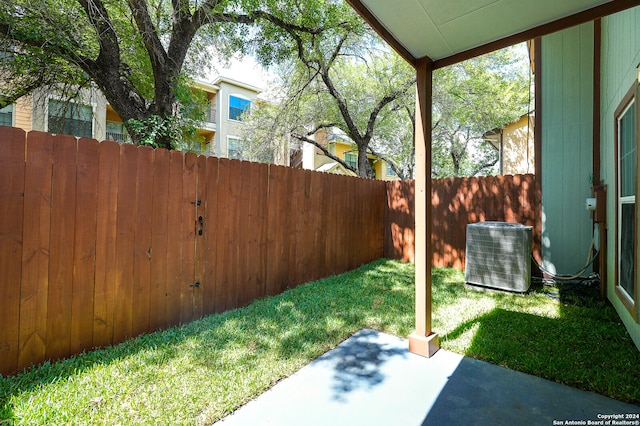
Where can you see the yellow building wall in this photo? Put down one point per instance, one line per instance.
(518, 153)
(340, 149)
(380, 168)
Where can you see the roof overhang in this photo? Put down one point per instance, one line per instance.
(448, 32)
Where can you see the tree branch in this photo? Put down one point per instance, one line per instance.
(483, 166)
(107, 37)
(389, 161)
(383, 102)
(150, 39)
(325, 151)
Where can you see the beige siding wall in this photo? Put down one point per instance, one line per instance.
(227, 128)
(22, 112)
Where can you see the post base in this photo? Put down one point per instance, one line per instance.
(423, 345)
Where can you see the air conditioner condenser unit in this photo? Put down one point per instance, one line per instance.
(498, 255)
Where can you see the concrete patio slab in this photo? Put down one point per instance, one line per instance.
(372, 379)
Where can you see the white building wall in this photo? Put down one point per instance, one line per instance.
(225, 126)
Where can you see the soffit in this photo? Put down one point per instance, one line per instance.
(443, 28)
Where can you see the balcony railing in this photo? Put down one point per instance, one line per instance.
(210, 114)
(118, 137)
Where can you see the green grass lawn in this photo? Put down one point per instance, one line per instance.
(198, 373)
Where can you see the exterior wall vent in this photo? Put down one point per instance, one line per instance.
(498, 255)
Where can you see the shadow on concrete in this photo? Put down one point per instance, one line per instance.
(358, 363)
(481, 393)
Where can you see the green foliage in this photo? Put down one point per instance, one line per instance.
(181, 128)
(471, 98)
(138, 51)
(202, 371)
(343, 77)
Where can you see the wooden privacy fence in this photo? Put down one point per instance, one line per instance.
(100, 242)
(457, 202)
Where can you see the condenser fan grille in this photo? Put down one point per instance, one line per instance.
(498, 255)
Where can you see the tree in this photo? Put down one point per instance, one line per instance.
(141, 53)
(342, 77)
(349, 81)
(471, 98)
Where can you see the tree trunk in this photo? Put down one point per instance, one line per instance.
(364, 166)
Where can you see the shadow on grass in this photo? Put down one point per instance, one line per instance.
(285, 332)
(583, 348)
(300, 325)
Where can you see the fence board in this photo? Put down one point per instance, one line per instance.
(125, 243)
(125, 220)
(110, 239)
(286, 210)
(276, 249)
(142, 249)
(159, 235)
(458, 214)
(212, 226)
(174, 239)
(63, 200)
(235, 182)
(458, 202)
(296, 204)
(244, 226)
(104, 297)
(357, 249)
(262, 209)
(85, 246)
(12, 167)
(346, 223)
(189, 187)
(323, 189)
(313, 228)
(223, 287)
(253, 236)
(35, 253)
(200, 270)
(299, 248)
(331, 240)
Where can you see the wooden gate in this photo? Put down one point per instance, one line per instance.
(100, 242)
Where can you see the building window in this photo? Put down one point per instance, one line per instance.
(6, 116)
(390, 171)
(351, 159)
(237, 106)
(626, 171)
(235, 148)
(69, 118)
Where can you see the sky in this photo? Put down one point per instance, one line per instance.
(245, 70)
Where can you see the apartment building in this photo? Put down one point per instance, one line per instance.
(341, 146)
(90, 115)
